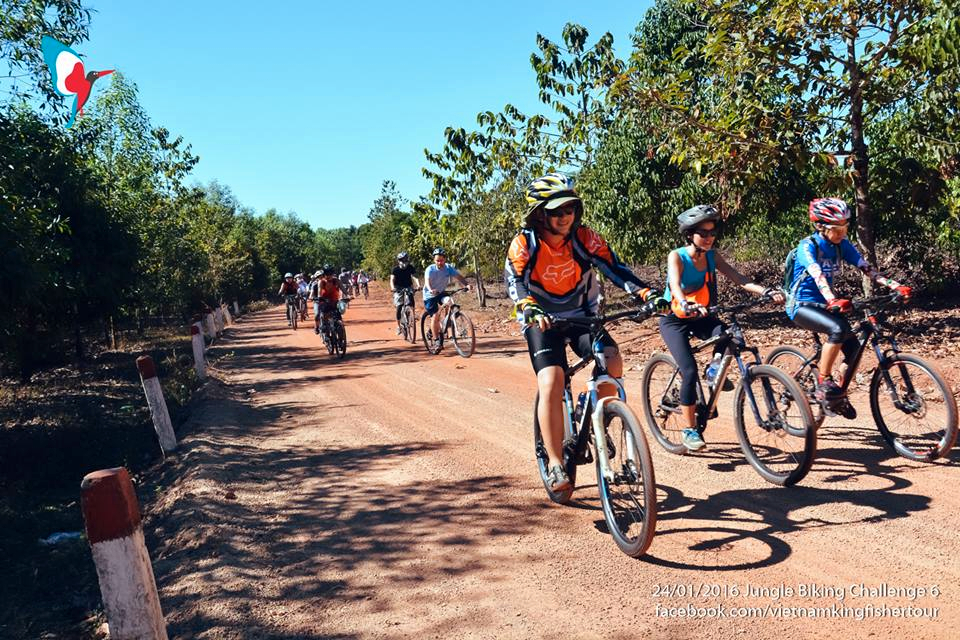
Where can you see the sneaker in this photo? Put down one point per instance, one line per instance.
(845, 409)
(692, 440)
(559, 480)
(828, 390)
(399, 330)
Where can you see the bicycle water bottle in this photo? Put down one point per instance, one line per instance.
(578, 411)
(712, 370)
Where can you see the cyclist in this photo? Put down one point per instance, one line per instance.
(692, 288)
(325, 293)
(549, 269)
(344, 281)
(363, 280)
(303, 290)
(288, 288)
(435, 280)
(402, 278)
(812, 304)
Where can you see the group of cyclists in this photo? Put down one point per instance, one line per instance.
(550, 274)
(325, 289)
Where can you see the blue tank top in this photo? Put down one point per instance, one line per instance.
(692, 278)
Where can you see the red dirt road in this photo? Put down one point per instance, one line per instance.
(395, 495)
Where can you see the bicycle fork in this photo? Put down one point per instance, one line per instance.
(600, 440)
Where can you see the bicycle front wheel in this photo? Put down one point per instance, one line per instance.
(791, 360)
(464, 336)
(776, 431)
(661, 402)
(569, 461)
(629, 500)
(409, 324)
(340, 340)
(916, 413)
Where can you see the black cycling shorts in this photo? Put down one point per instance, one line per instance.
(548, 349)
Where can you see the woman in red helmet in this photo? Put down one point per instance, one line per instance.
(811, 302)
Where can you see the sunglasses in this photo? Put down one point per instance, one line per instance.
(564, 211)
(836, 226)
(706, 233)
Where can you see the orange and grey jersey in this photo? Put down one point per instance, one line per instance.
(562, 280)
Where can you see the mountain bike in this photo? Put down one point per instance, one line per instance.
(333, 333)
(302, 306)
(292, 311)
(365, 288)
(454, 324)
(912, 405)
(774, 424)
(607, 432)
(408, 321)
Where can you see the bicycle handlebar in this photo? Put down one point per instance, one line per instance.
(737, 308)
(638, 314)
(878, 300)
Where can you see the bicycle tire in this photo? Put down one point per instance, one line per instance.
(293, 317)
(925, 444)
(409, 324)
(661, 379)
(630, 503)
(327, 336)
(340, 340)
(782, 456)
(791, 360)
(464, 336)
(569, 463)
(433, 347)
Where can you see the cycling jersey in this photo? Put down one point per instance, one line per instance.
(403, 277)
(560, 279)
(828, 256)
(327, 289)
(436, 279)
(304, 288)
(288, 288)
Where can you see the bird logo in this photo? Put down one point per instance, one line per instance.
(68, 75)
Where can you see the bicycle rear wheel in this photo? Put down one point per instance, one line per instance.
(630, 501)
(791, 360)
(661, 402)
(433, 346)
(569, 461)
(409, 324)
(464, 337)
(782, 445)
(917, 415)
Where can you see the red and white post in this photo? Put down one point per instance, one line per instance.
(127, 585)
(158, 406)
(199, 363)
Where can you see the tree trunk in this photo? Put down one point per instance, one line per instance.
(861, 163)
(113, 334)
(481, 292)
(77, 336)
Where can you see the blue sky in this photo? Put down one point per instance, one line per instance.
(307, 107)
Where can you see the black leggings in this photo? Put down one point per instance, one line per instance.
(676, 333)
(835, 326)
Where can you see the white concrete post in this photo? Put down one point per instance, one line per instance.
(226, 314)
(211, 327)
(158, 406)
(236, 308)
(198, 361)
(129, 590)
(218, 319)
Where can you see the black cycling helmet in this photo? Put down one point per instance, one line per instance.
(695, 216)
(328, 270)
(440, 252)
(403, 256)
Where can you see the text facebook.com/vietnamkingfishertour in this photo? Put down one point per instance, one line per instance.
(800, 590)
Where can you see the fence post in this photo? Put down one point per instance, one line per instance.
(158, 406)
(211, 327)
(196, 337)
(226, 314)
(236, 308)
(129, 590)
(218, 320)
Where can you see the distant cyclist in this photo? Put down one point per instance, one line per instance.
(435, 281)
(812, 303)
(325, 293)
(288, 288)
(402, 278)
(550, 270)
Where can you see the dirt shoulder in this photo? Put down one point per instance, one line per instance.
(394, 495)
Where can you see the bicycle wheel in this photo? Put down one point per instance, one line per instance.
(630, 501)
(340, 340)
(661, 402)
(433, 346)
(464, 337)
(791, 360)
(917, 415)
(327, 335)
(569, 462)
(782, 445)
(409, 324)
(293, 317)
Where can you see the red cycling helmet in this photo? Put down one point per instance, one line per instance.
(829, 211)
